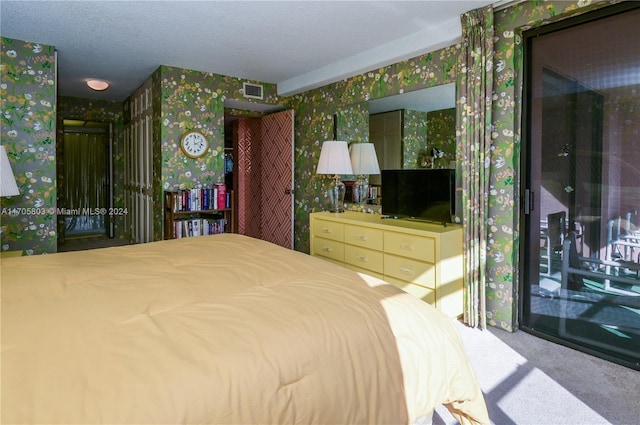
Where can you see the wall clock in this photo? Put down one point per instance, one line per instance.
(194, 144)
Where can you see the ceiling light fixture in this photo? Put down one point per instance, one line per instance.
(97, 85)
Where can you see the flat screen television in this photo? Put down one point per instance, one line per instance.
(421, 194)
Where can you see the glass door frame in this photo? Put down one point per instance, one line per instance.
(530, 200)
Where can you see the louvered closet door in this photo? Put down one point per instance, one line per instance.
(139, 166)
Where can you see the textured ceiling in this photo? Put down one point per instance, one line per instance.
(298, 45)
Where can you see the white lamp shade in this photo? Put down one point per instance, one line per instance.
(364, 159)
(8, 186)
(334, 158)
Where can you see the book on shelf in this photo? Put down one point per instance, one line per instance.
(204, 199)
(221, 196)
(185, 228)
(206, 205)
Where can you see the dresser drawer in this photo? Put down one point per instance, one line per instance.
(328, 248)
(329, 260)
(363, 236)
(409, 270)
(365, 271)
(422, 259)
(417, 247)
(328, 230)
(364, 258)
(427, 295)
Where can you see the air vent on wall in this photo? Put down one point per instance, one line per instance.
(253, 91)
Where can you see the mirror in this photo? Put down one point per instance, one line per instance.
(405, 129)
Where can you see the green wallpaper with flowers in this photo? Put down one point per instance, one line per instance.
(424, 131)
(352, 124)
(441, 134)
(414, 138)
(28, 133)
(314, 111)
(192, 100)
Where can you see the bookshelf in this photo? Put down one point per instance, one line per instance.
(197, 212)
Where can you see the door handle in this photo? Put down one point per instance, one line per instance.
(288, 191)
(528, 201)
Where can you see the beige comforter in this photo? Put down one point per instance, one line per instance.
(220, 329)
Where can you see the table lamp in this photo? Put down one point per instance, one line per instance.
(364, 162)
(334, 160)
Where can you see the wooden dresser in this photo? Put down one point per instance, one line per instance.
(423, 259)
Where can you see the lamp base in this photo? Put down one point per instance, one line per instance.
(361, 190)
(336, 195)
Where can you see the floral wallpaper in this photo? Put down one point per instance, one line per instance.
(441, 134)
(414, 139)
(352, 123)
(352, 126)
(314, 111)
(28, 133)
(425, 131)
(192, 100)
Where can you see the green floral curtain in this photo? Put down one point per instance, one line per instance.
(475, 85)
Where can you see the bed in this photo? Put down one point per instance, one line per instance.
(221, 329)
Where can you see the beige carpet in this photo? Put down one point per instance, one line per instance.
(528, 380)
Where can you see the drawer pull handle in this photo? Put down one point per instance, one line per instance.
(406, 270)
(326, 249)
(361, 258)
(361, 237)
(326, 230)
(406, 246)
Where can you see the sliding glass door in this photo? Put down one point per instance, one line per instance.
(581, 166)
